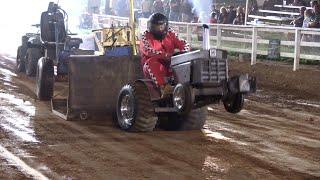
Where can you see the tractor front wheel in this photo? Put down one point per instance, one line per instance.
(234, 103)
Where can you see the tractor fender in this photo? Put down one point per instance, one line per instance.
(152, 88)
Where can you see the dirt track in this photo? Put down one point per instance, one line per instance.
(276, 136)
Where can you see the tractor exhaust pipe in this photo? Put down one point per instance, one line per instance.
(206, 37)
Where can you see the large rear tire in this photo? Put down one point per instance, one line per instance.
(20, 66)
(195, 120)
(135, 110)
(234, 103)
(45, 79)
(32, 57)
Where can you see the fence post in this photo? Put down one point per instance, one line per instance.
(218, 36)
(297, 43)
(254, 46)
(188, 34)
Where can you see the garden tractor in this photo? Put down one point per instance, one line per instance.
(57, 45)
(112, 82)
(200, 79)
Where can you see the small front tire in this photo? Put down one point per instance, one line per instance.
(234, 103)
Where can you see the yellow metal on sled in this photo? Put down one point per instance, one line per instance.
(113, 37)
(117, 36)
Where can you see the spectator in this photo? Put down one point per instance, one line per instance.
(254, 8)
(146, 8)
(223, 17)
(231, 14)
(315, 19)
(268, 4)
(174, 10)
(213, 18)
(214, 10)
(313, 3)
(298, 22)
(315, 23)
(158, 7)
(195, 16)
(186, 9)
(307, 18)
(239, 20)
(166, 5)
(112, 12)
(297, 3)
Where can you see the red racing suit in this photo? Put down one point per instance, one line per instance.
(156, 55)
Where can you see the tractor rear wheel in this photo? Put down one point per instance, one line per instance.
(20, 66)
(32, 57)
(135, 110)
(195, 120)
(45, 79)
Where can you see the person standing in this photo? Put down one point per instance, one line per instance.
(158, 7)
(166, 5)
(298, 22)
(239, 20)
(174, 10)
(214, 11)
(186, 9)
(213, 18)
(231, 14)
(315, 20)
(223, 16)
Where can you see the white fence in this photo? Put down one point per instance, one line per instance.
(296, 43)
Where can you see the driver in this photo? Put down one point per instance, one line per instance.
(157, 45)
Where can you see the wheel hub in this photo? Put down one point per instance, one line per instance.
(179, 98)
(126, 109)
